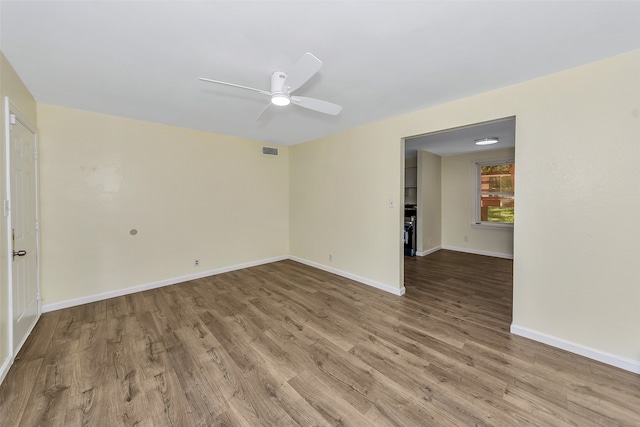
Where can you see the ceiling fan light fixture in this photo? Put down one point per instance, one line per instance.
(486, 141)
(282, 84)
(280, 100)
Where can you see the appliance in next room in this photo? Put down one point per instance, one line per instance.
(410, 213)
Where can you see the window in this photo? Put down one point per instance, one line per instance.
(495, 193)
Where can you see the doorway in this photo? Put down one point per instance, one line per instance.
(21, 210)
(447, 188)
(458, 218)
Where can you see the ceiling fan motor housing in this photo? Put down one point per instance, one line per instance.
(277, 82)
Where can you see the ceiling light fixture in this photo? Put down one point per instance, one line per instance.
(486, 141)
(280, 100)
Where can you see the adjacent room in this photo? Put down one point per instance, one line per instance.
(459, 189)
(319, 213)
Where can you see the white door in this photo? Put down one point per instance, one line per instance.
(25, 293)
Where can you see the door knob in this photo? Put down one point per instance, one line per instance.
(19, 253)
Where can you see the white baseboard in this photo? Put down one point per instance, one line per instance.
(429, 251)
(478, 252)
(364, 280)
(172, 281)
(139, 288)
(601, 356)
(4, 369)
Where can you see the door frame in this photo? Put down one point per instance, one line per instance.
(12, 112)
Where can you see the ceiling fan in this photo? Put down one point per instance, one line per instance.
(282, 84)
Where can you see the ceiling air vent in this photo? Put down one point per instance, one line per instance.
(270, 151)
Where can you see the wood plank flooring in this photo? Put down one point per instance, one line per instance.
(285, 344)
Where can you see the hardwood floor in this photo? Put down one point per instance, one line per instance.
(285, 344)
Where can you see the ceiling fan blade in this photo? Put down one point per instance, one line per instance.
(304, 69)
(317, 105)
(264, 92)
(262, 111)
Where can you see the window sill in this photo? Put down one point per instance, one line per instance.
(493, 225)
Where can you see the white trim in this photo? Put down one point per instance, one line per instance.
(478, 252)
(364, 280)
(428, 251)
(4, 369)
(591, 353)
(144, 287)
(493, 225)
(37, 197)
(7, 166)
(175, 280)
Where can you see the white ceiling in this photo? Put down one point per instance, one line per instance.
(142, 59)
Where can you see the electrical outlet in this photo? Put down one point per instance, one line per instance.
(466, 238)
(330, 257)
(196, 263)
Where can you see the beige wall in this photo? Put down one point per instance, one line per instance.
(458, 178)
(189, 195)
(576, 240)
(429, 201)
(21, 98)
(341, 187)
